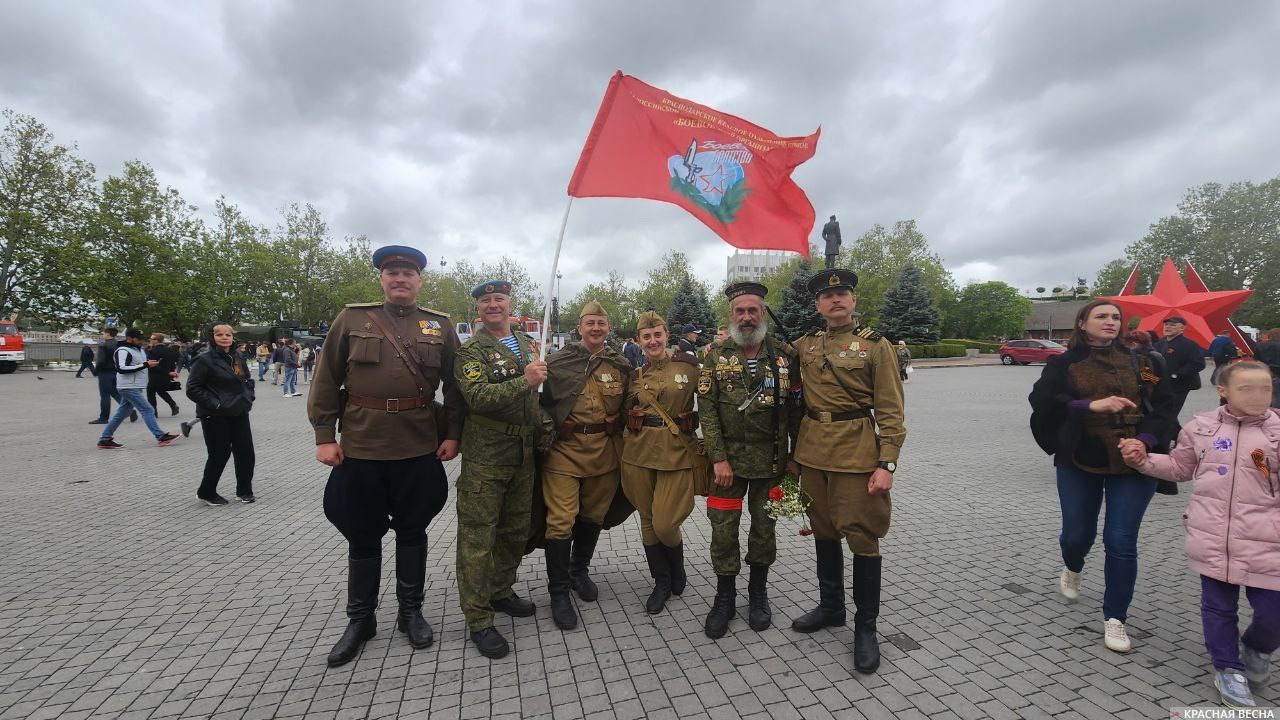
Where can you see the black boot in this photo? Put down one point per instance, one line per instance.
(661, 572)
(723, 607)
(490, 643)
(760, 617)
(675, 559)
(585, 537)
(562, 611)
(514, 605)
(411, 574)
(866, 600)
(830, 610)
(362, 600)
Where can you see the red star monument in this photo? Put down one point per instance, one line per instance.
(1206, 312)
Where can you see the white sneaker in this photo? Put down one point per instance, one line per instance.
(1116, 638)
(1069, 585)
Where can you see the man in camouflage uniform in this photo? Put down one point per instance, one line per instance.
(847, 449)
(745, 388)
(584, 392)
(498, 375)
(387, 470)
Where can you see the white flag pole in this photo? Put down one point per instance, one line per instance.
(551, 285)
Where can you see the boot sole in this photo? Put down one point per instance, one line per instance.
(809, 630)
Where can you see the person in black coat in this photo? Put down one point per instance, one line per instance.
(222, 389)
(1184, 358)
(162, 375)
(86, 361)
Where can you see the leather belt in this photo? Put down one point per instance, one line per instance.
(391, 405)
(594, 429)
(828, 417)
(654, 421)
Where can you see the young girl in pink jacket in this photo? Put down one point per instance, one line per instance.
(1232, 522)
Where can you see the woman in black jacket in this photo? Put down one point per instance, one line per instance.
(1088, 401)
(222, 389)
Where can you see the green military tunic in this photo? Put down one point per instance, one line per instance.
(845, 370)
(749, 418)
(495, 486)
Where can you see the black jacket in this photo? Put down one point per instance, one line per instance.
(158, 376)
(1185, 361)
(106, 361)
(215, 388)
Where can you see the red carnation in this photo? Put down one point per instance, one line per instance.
(805, 532)
(775, 494)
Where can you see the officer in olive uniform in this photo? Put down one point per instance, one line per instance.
(498, 373)
(375, 385)
(657, 458)
(745, 391)
(585, 388)
(847, 449)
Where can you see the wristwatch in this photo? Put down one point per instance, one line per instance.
(890, 466)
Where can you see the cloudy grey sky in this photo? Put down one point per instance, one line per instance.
(1030, 140)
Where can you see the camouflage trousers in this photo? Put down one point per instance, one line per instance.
(842, 509)
(493, 526)
(724, 510)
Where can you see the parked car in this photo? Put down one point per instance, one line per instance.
(1024, 352)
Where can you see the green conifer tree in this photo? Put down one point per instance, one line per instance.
(909, 312)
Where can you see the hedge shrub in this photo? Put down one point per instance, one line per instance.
(941, 350)
(985, 347)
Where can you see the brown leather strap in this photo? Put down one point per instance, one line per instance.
(391, 405)
(395, 345)
(826, 417)
(592, 429)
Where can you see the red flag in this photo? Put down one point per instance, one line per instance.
(732, 175)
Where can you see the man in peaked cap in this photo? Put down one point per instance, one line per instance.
(498, 373)
(847, 448)
(375, 386)
(689, 338)
(586, 386)
(747, 388)
(1183, 357)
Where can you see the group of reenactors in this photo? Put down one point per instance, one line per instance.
(555, 452)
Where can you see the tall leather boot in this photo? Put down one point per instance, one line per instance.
(585, 537)
(661, 572)
(830, 610)
(723, 607)
(760, 617)
(557, 554)
(866, 600)
(362, 599)
(411, 575)
(675, 559)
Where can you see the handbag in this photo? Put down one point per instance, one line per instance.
(703, 471)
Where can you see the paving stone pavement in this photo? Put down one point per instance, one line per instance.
(123, 597)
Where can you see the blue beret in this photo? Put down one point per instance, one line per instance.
(831, 279)
(399, 253)
(491, 286)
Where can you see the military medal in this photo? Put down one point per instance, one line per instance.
(844, 354)
(862, 354)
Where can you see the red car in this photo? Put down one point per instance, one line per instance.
(1024, 352)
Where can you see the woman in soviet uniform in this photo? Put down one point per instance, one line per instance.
(657, 459)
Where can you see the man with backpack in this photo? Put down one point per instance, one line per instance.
(1223, 350)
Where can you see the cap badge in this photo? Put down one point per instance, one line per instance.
(833, 280)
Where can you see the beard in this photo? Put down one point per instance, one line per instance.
(749, 338)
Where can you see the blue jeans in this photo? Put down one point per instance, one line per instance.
(290, 381)
(106, 393)
(133, 399)
(262, 371)
(1081, 494)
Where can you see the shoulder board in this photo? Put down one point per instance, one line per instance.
(868, 333)
(433, 312)
(684, 357)
(363, 305)
(635, 373)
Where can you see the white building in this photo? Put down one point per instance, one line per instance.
(754, 264)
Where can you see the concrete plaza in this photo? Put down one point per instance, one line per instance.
(123, 596)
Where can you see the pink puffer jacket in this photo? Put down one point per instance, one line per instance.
(1233, 518)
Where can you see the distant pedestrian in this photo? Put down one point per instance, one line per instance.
(1231, 452)
(289, 359)
(307, 356)
(105, 368)
(1223, 350)
(277, 362)
(904, 360)
(86, 361)
(131, 365)
(162, 376)
(632, 352)
(222, 388)
(1185, 360)
(263, 355)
